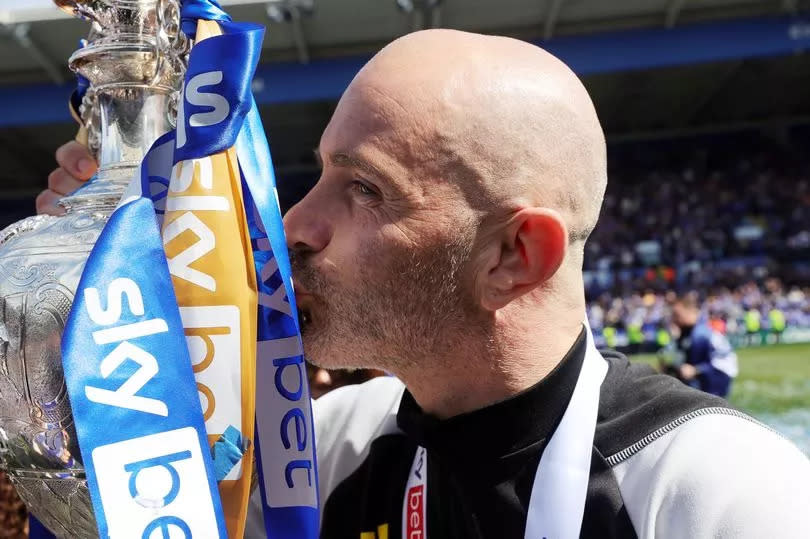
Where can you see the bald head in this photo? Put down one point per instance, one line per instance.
(461, 176)
(503, 120)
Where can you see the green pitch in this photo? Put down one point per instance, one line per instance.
(774, 386)
(772, 379)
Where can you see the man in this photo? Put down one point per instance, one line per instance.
(443, 243)
(709, 362)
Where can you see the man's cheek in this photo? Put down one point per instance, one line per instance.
(349, 253)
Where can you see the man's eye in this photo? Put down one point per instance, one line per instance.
(363, 189)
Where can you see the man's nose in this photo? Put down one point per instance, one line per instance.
(307, 226)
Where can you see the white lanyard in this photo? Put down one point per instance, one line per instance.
(414, 508)
(557, 503)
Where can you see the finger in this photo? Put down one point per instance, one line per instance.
(59, 181)
(76, 159)
(46, 203)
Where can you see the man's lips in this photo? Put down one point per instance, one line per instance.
(302, 296)
(304, 300)
(307, 301)
(300, 291)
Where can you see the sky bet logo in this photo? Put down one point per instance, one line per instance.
(125, 396)
(415, 524)
(219, 105)
(136, 478)
(287, 459)
(152, 486)
(414, 505)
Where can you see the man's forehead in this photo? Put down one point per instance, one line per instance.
(361, 133)
(370, 104)
(406, 137)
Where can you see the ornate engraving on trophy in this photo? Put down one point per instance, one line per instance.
(62, 504)
(45, 389)
(20, 274)
(32, 323)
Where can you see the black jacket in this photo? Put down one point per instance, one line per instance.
(663, 458)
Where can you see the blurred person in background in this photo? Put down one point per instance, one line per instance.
(322, 381)
(709, 362)
(753, 325)
(776, 320)
(717, 322)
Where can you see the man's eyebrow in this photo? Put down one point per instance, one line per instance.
(346, 159)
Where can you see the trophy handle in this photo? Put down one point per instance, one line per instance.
(83, 133)
(171, 48)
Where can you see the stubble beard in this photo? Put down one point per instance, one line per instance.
(403, 308)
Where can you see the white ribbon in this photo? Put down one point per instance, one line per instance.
(414, 506)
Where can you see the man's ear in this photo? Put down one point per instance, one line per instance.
(533, 245)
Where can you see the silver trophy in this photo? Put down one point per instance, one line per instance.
(134, 61)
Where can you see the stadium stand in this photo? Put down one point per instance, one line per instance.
(724, 217)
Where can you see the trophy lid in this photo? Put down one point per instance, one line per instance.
(90, 8)
(128, 43)
(134, 60)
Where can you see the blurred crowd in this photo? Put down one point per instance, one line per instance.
(697, 215)
(751, 314)
(13, 516)
(726, 219)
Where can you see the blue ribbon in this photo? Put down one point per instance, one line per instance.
(132, 388)
(285, 445)
(283, 518)
(227, 452)
(213, 60)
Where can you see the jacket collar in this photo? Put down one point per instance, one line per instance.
(501, 429)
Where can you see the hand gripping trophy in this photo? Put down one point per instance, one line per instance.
(134, 62)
